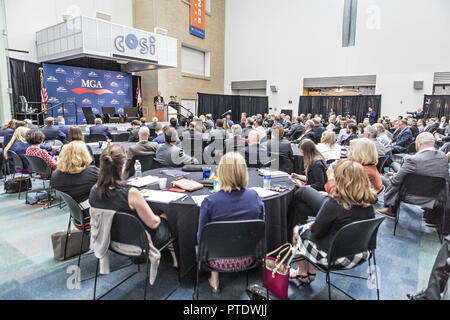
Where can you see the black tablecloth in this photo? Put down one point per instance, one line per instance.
(97, 151)
(183, 215)
(114, 135)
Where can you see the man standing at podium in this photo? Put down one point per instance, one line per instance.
(158, 100)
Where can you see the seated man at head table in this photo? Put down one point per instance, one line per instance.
(169, 155)
(427, 161)
(142, 148)
(99, 128)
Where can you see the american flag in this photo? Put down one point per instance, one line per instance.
(44, 95)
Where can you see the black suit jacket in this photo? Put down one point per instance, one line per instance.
(100, 129)
(54, 133)
(285, 155)
(307, 135)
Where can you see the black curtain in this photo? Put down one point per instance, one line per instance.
(25, 81)
(355, 105)
(218, 104)
(437, 106)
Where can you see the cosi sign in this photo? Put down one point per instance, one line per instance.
(130, 44)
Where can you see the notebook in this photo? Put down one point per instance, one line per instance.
(142, 182)
(263, 193)
(161, 196)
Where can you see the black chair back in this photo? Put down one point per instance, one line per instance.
(233, 239)
(429, 187)
(38, 165)
(148, 162)
(74, 208)
(131, 112)
(89, 115)
(381, 163)
(152, 133)
(412, 148)
(122, 137)
(18, 163)
(354, 238)
(128, 229)
(111, 111)
(96, 137)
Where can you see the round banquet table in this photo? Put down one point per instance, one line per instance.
(97, 151)
(183, 216)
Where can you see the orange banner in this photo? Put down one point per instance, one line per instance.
(198, 18)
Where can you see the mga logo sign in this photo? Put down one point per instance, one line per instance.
(95, 84)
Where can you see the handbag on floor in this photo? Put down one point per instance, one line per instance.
(276, 273)
(18, 184)
(73, 244)
(256, 292)
(38, 198)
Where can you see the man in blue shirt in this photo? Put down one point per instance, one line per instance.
(159, 135)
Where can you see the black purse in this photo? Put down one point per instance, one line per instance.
(18, 184)
(256, 292)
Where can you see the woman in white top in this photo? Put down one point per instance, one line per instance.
(328, 147)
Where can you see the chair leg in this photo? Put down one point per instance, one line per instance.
(195, 294)
(246, 274)
(376, 276)
(67, 238)
(96, 275)
(81, 249)
(147, 279)
(329, 285)
(397, 219)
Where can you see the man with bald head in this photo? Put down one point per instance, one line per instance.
(427, 162)
(142, 148)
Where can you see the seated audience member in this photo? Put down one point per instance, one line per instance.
(352, 132)
(318, 129)
(255, 153)
(427, 162)
(134, 133)
(99, 128)
(226, 127)
(280, 150)
(315, 166)
(403, 139)
(351, 202)
(51, 132)
(230, 122)
(153, 124)
(382, 136)
(233, 203)
(236, 143)
(371, 133)
(439, 277)
(421, 125)
(174, 123)
(169, 155)
(328, 147)
(159, 135)
(209, 120)
(342, 135)
(296, 130)
(8, 131)
(260, 129)
(218, 132)
(30, 124)
(112, 193)
(447, 129)
(76, 176)
(143, 121)
(35, 138)
(287, 122)
(248, 127)
(412, 124)
(308, 134)
(364, 152)
(142, 148)
(62, 125)
(432, 126)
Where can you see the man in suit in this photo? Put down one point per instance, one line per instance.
(134, 132)
(432, 126)
(99, 128)
(352, 132)
(371, 134)
(371, 115)
(142, 148)
(51, 132)
(169, 155)
(412, 123)
(219, 132)
(318, 130)
(62, 125)
(153, 124)
(248, 127)
(30, 125)
(296, 129)
(427, 161)
(255, 152)
(309, 133)
(280, 150)
(287, 122)
(404, 138)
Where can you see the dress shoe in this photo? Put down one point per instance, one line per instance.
(420, 296)
(387, 213)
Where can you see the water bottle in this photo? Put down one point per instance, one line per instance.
(267, 179)
(137, 169)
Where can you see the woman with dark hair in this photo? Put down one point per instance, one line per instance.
(35, 139)
(112, 193)
(315, 166)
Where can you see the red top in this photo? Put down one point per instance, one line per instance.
(38, 152)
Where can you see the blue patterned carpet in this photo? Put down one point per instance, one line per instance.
(28, 270)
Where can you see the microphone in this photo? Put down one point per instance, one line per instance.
(229, 111)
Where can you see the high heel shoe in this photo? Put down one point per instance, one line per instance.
(304, 279)
(214, 290)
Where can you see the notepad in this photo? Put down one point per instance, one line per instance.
(161, 196)
(174, 173)
(199, 199)
(263, 193)
(274, 174)
(142, 182)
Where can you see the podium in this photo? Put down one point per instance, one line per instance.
(160, 109)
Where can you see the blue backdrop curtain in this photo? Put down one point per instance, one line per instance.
(218, 104)
(355, 105)
(438, 106)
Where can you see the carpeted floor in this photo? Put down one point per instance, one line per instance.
(28, 270)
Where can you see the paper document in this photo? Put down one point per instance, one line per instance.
(161, 196)
(263, 193)
(142, 182)
(199, 199)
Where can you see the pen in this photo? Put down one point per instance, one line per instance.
(184, 198)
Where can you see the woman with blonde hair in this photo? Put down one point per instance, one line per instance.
(75, 175)
(328, 147)
(351, 202)
(364, 152)
(233, 203)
